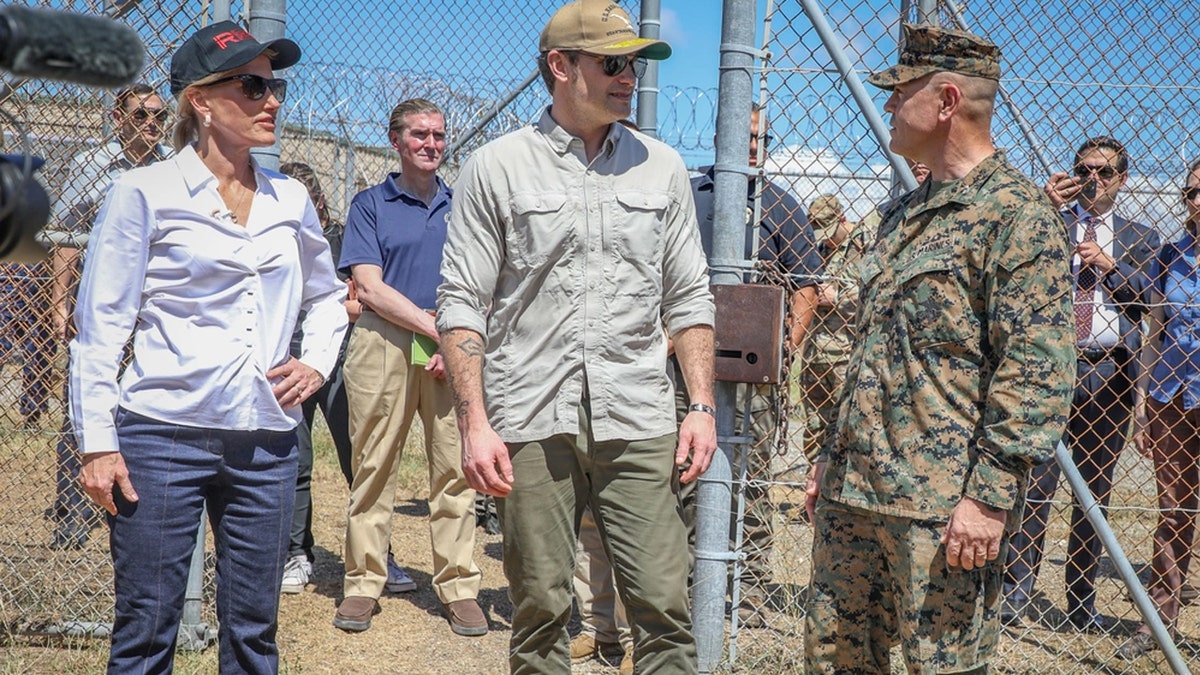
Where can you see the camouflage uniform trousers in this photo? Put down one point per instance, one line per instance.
(822, 387)
(882, 580)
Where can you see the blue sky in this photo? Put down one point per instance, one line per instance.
(1072, 71)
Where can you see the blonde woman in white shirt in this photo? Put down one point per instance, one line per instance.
(206, 260)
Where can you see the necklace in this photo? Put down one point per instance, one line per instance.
(237, 207)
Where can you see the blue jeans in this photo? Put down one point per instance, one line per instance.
(248, 480)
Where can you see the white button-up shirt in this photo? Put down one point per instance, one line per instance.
(1106, 321)
(211, 305)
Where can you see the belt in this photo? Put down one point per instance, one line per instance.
(1098, 354)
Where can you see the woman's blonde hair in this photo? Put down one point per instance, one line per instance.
(187, 128)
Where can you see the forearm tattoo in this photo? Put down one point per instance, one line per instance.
(472, 347)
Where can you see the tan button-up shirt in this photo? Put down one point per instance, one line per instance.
(571, 270)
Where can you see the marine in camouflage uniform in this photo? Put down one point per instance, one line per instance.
(827, 350)
(960, 381)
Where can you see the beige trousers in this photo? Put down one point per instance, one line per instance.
(600, 608)
(384, 393)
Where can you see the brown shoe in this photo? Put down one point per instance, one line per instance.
(355, 612)
(584, 647)
(466, 618)
(626, 664)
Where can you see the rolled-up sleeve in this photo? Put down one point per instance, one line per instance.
(687, 300)
(106, 313)
(473, 252)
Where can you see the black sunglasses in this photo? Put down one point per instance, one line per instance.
(254, 87)
(615, 65)
(1191, 193)
(141, 115)
(765, 139)
(1105, 172)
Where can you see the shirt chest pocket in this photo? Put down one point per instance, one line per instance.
(541, 227)
(636, 227)
(933, 307)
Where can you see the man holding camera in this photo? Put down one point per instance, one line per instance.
(1110, 266)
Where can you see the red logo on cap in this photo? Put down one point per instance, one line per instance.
(229, 37)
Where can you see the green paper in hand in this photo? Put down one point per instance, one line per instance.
(423, 347)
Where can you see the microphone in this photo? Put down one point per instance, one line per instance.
(89, 50)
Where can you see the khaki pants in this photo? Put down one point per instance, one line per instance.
(629, 486)
(384, 393)
(600, 608)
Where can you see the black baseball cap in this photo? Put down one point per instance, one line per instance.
(224, 46)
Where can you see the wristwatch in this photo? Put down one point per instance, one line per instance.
(700, 407)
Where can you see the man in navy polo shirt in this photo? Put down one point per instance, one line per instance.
(393, 249)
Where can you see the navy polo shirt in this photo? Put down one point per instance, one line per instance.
(785, 237)
(396, 231)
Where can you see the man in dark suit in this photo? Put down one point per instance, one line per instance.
(1111, 266)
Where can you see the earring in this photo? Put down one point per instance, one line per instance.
(207, 120)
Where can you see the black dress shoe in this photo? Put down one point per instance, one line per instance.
(1087, 622)
(1012, 609)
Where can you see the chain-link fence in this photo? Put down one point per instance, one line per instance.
(1072, 71)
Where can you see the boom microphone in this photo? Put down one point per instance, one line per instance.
(90, 50)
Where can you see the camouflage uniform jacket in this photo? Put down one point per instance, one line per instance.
(832, 334)
(962, 373)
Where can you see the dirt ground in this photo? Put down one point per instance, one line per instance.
(410, 635)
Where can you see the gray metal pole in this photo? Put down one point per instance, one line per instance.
(1027, 131)
(194, 634)
(927, 12)
(1095, 516)
(647, 103)
(859, 92)
(222, 10)
(461, 140)
(268, 21)
(714, 494)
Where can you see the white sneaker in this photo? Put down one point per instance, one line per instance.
(398, 580)
(296, 572)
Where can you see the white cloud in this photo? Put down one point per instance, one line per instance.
(671, 29)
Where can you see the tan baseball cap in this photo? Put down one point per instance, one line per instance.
(825, 211)
(598, 27)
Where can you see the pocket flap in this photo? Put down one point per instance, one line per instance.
(644, 201)
(540, 202)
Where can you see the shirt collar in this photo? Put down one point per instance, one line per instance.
(196, 175)
(560, 139)
(118, 160)
(392, 191)
(962, 191)
(1081, 213)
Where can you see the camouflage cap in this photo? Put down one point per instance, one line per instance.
(825, 211)
(929, 49)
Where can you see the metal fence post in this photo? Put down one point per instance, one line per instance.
(858, 91)
(268, 21)
(1095, 516)
(647, 105)
(713, 495)
(194, 634)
